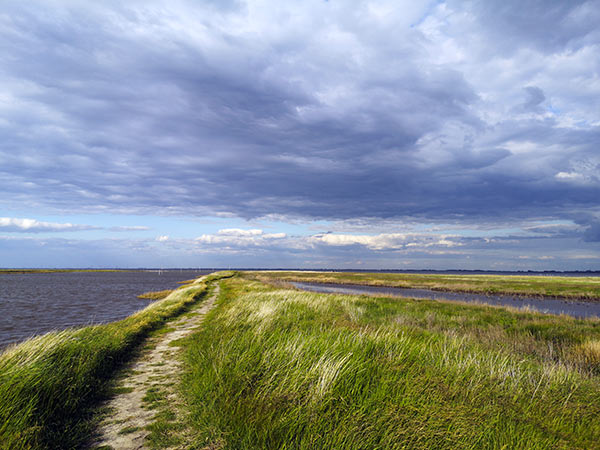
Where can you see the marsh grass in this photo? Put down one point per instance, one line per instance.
(49, 384)
(588, 354)
(156, 295)
(279, 368)
(549, 286)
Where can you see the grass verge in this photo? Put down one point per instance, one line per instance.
(156, 295)
(49, 384)
(279, 368)
(546, 286)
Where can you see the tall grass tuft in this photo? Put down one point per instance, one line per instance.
(589, 353)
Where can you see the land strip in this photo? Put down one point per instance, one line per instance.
(273, 367)
(51, 385)
(583, 288)
(152, 374)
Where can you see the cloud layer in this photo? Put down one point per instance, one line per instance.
(450, 112)
(541, 248)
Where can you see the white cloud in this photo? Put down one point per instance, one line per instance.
(582, 171)
(275, 236)
(36, 226)
(162, 238)
(572, 176)
(239, 232)
(583, 256)
(129, 228)
(214, 239)
(385, 241)
(541, 258)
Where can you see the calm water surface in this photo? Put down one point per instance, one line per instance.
(579, 309)
(35, 303)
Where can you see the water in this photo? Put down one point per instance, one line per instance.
(34, 303)
(550, 305)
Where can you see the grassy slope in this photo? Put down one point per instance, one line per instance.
(156, 295)
(568, 287)
(278, 368)
(49, 383)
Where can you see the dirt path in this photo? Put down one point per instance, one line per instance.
(157, 368)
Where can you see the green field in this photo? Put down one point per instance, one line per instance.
(277, 368)
(280, 368)
(550, 286)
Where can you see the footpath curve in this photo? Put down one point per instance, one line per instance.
(124, 428)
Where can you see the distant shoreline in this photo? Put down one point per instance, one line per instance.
(557, 273)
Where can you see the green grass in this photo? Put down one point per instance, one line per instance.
(274, 368)
(156, 295)
(154, 398)
(165, 430)
(121, 390)
(551, 286)
(49, 384)
(128, 430)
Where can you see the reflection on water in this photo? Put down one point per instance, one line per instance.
(35, 303)
(546, 305)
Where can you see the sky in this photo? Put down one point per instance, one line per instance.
(314, 134)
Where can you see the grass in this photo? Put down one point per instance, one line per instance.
(273, 367)
(156, 295)
(128, 430)
(50, 384)
(154, 398)
(185, 281)
(121, 390)
(280, 368)
(549, 286)
(166, 430)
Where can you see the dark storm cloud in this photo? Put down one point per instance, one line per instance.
(535, 97)
(549, 25)
(592, 233)
(592, 227)
(320, 112)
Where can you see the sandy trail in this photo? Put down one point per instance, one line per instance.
(124, 428)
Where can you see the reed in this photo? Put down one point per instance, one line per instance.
(156, 295)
